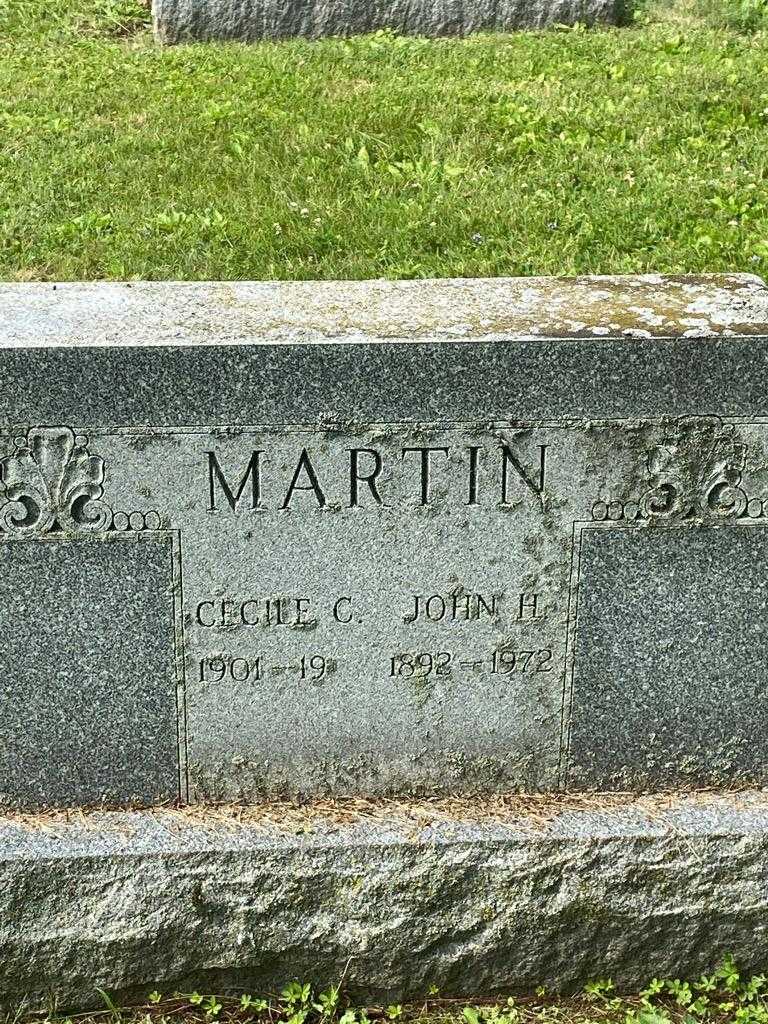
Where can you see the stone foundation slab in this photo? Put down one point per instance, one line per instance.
(394, 898)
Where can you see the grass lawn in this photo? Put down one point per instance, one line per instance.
(560, 152)
(724, 997)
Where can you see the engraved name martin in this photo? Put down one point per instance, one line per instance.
(367, 472)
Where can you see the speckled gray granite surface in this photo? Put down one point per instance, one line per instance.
(88, 671)
(376, 510)
(184, 21)
(670, 658)
(156, 313)
(132, 901)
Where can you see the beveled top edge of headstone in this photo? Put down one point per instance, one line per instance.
(148, 313)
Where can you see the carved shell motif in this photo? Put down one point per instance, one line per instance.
(694, 474)
(51, 482)
(697, 471)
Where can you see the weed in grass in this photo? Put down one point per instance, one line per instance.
(723, 997)
(116, 18)
(747, 16)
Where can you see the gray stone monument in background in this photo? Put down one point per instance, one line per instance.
(394, 541)
(186, 21)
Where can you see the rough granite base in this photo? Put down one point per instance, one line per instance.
(392, 900)
(184, 21)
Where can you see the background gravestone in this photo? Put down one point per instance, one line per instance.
(184, 21)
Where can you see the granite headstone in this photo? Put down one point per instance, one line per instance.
(394, 539)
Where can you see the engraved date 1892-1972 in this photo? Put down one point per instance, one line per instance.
(442, 663)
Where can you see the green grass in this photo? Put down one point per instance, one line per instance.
(562, 152)
(724, 997)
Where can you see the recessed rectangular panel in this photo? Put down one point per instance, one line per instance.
(365, 610)
(671, 658)
(87, 672)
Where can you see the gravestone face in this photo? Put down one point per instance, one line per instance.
(436, 537)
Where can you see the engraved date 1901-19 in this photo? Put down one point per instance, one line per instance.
(219, 668)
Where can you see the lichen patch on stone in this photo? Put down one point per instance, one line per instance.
(203, 313)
